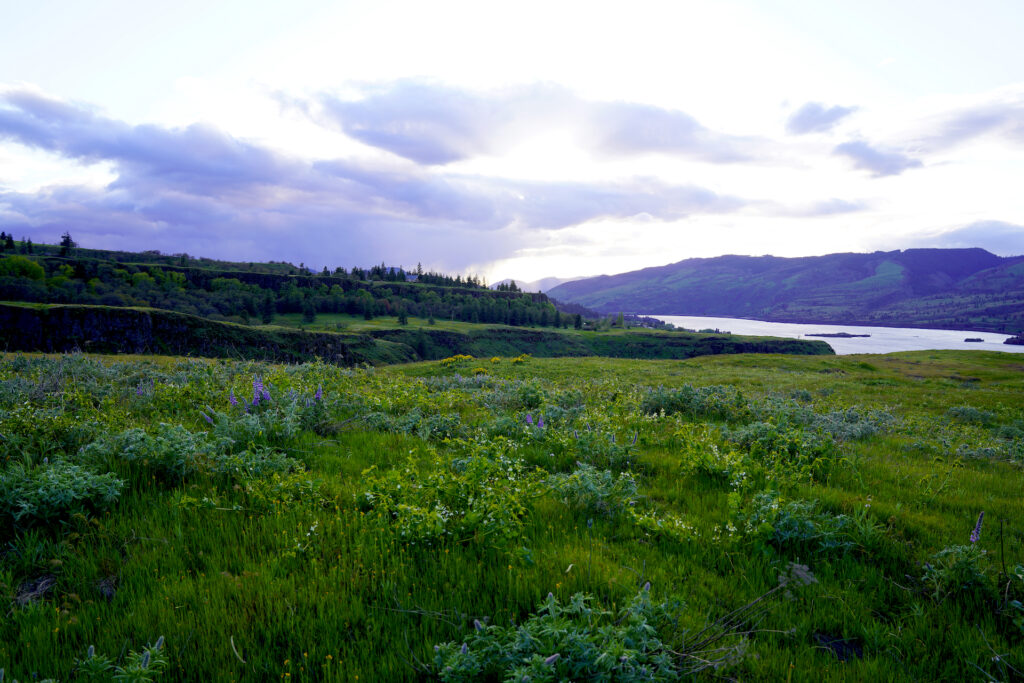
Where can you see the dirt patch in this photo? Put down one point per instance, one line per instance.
(35, 589)
(107, 587)
(844, 649)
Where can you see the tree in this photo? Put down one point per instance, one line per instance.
(578, 322)
(66, 243)
(308, 312)
(403, 317)
(19, 266)
(268, 309)
(620, 321)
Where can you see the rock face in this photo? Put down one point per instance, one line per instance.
(102, 329)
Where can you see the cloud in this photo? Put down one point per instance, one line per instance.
(625, 128)
(880, 162)
(1003, 239)
(1004, 119)
(435, 124)
(813, 117)
(201, 190)
(428, 124)
(827, 207)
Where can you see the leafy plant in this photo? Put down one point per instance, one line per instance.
(57, 489)
(956, 571)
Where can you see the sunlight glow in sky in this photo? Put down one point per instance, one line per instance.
(523, 140)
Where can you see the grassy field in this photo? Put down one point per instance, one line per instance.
(756, 517)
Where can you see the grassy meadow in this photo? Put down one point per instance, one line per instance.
(753, 517)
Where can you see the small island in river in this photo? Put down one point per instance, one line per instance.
(840, 335)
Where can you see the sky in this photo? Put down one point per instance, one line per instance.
(512, 139)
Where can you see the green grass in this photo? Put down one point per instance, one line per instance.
(254, 575)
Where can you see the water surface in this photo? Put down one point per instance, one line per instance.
(882, 339)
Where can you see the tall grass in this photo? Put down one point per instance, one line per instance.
(346, 536)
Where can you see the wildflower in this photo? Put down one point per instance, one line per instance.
(207, 418)
(540, 422)
(319, 392)
(552, 659)
(464, 649)
(266, 395)
(138, 391)
(529, 419)
(477, 625)
(232, 399)
(976, 534)
(633, 442)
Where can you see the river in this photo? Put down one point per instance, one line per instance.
(882, 339)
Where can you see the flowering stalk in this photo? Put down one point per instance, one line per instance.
(976, 534)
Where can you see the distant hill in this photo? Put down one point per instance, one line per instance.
(542, 285)
(942, 288)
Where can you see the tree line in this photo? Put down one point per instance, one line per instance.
(48, 274)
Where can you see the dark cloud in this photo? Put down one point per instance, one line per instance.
(880, 162)
(202, 191)
(814, 117)
(1003, 239)
(435, 125)
(428, 124)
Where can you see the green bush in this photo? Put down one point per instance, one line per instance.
(575, 641)
(460, 500)
(594, 491)
(957, 572)
(57, 489)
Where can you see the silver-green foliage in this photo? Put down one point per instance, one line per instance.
(55, 489)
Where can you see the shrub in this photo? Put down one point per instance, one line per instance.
(970, 415)
(714, 402)
(479, 497)
(596, 491)
(956, 571)
(573, 641)
(173, 452)
(787, 450)
(56, 489)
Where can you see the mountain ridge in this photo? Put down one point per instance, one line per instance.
(968, 288)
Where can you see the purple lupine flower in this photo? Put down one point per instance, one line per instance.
(138, 391)
(477, 625)
(529, 419)
(257, 384)
(464, 649)
(576, 434)
(319, 392)
(231, 397)
(207, 417)
(552, 659)
(540, 422)
(976, 534)
(255, 400)
(266, 395)
(633, 442)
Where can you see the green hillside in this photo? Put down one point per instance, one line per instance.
(734, 517)
(944, 288)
